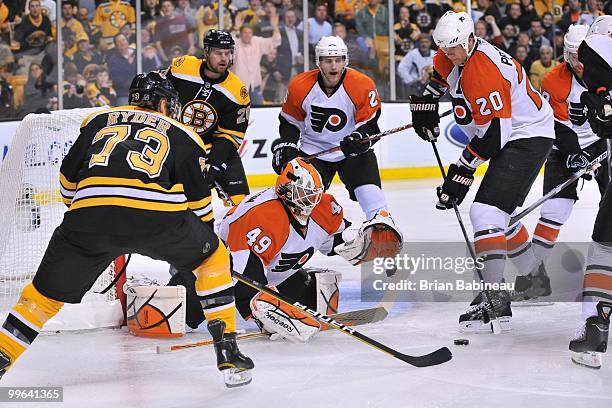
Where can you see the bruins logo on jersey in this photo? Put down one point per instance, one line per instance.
(118, 19)
(200, 115)
(329, 118)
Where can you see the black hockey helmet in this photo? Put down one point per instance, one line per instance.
(219, 39)
(148, 89)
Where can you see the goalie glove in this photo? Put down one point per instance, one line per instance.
(378, 237)
(276, 317)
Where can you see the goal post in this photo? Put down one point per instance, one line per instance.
(30, 210)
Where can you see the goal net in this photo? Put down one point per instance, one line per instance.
(31, 208)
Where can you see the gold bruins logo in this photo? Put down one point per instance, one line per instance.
(243, 92)
(118, 19)
(200, 115)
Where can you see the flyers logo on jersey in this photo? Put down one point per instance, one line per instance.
(296, 261)
(329, 118)
(200, 115)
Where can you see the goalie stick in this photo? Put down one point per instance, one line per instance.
(372, 138)
(352, 318)
(436, 357)
(556, 190)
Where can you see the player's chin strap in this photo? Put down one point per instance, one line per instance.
(378, 237)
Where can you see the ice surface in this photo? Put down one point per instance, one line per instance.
(528, 367)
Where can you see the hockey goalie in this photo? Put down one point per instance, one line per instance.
(272, 235)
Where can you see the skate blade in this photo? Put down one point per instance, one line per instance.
(237, 377)
(588, 359)
(479, 327)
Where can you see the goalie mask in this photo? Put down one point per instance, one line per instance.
(147, 90)
(300, 188)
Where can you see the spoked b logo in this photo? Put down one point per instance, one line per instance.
(329, 118)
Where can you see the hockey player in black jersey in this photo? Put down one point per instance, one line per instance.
(215, 103)
(134, 183)
(591, 339)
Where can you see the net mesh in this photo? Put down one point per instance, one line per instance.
(30, 201)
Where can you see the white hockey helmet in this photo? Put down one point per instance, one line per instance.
(454, 29)
(331, 46)
(573, 38)
(602, 25)
(300, 188)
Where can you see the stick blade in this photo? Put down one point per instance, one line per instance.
(439, 356)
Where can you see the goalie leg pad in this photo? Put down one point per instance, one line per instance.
(284, 320)
(155, 311)
(378, 237)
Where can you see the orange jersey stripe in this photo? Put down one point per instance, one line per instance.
(598, 280)
(328, 214)
(558, 84)
(546, 232)
(299, 88)
(490, 244)
(486, 89)
(263, 229)
(519, 239)
(362, 91)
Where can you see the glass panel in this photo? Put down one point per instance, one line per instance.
(28, 60)
(364, 26)
(269, 47)
(413, 25)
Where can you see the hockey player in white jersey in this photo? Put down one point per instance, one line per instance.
(273, 234)
(576, 145)
(328, 107)
(591, 339)
(509, 124)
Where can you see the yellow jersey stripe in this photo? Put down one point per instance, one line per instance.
(200, 203)
(68, 185)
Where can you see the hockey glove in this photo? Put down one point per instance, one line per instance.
(578, 161)
(599, 112)
(355, 144)
(214, 170)
(455, 187)
(282, 153)
(425, 117)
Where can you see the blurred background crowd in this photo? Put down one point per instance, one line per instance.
(94, 42)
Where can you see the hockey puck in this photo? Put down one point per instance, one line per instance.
(462, 342)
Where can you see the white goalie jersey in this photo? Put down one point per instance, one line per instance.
(260, 226)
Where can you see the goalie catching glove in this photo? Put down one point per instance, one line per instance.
(377, 238)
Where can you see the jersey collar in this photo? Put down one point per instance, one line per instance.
(335, 88)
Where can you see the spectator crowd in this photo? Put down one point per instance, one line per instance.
(98, 42)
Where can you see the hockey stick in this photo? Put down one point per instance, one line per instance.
(352, 318)
(372, 138)
(556, 190)
(495, 325)
(439, 356)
